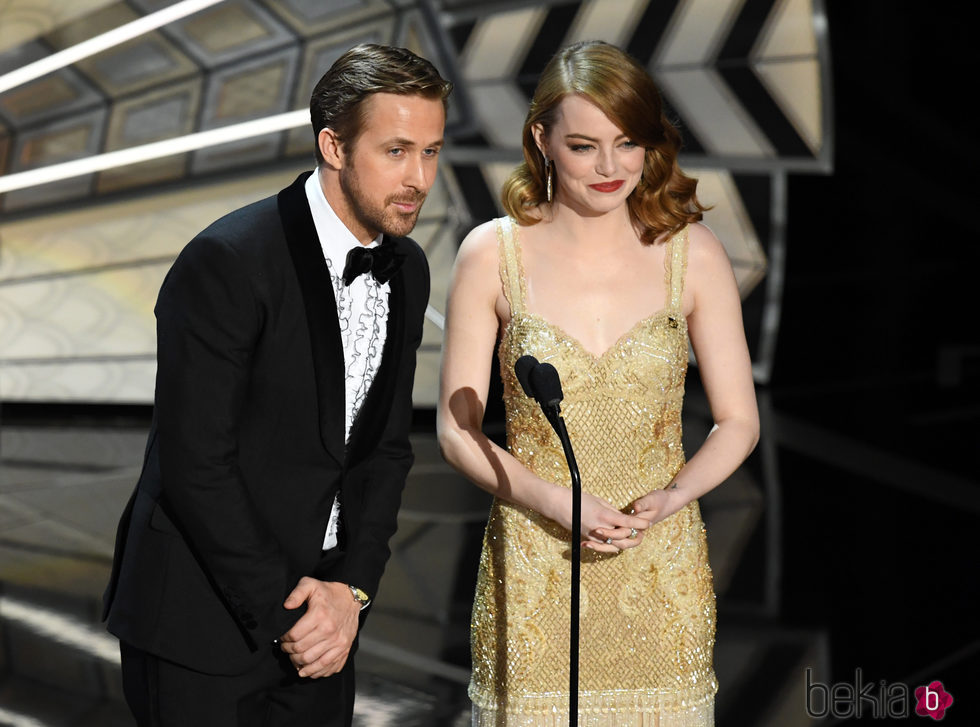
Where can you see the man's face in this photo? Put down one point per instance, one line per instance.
(388, 170)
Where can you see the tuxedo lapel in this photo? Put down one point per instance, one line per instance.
(372, 417)
(321, 312)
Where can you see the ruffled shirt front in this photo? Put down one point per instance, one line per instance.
(362, 309)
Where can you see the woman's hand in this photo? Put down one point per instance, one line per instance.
(651, 508)
(659, 504)
(604, 528)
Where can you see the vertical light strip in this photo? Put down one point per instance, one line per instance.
(154, 150)
(773, 306)
(99, 43)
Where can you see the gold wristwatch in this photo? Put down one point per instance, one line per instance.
(360, 596)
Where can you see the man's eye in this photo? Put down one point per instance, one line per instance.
(397, 151)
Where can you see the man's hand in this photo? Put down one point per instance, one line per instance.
(318, 644)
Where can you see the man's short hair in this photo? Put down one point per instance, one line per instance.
(364, 70)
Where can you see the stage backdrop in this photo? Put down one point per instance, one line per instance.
(82, 258)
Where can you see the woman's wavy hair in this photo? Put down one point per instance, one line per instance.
(665, 198)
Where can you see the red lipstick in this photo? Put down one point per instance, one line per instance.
(607, 186)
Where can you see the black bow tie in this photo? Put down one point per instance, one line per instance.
(381, 261)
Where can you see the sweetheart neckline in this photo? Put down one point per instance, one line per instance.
(614, 345)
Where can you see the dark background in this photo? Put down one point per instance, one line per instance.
(879, 343)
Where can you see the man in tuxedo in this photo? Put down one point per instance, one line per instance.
(287, 334)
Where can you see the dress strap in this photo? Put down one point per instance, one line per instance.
(511, 270)
(676, 264)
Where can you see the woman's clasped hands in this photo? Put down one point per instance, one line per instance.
(608, 530)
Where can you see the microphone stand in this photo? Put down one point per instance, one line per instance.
(553, 413)
(540, 381)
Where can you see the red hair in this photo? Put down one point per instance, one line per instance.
(665, 199)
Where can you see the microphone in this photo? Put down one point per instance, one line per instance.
(541, 382)
(547, 385)
(523, 368)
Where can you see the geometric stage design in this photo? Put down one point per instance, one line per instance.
(81, 258)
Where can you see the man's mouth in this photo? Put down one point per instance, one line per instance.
(408, 205)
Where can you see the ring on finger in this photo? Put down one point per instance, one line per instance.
(632, 535)
(608, 541)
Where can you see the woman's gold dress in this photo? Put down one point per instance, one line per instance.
(647, 613)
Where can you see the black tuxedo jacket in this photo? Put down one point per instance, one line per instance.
(246, 451)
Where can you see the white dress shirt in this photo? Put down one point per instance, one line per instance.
(362, 309)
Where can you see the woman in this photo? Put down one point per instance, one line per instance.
(601, 270)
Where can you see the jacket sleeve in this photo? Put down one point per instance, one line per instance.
(383, 478)
(208, 322)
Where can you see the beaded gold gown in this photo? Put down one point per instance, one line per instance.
(647, 613)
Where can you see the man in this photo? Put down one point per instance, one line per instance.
(287, 333)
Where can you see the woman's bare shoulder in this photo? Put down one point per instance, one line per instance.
(702, 242)
(709, 269)
(477, 260)
(706, 253)
(479, 247)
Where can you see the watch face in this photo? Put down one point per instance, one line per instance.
(359, 595)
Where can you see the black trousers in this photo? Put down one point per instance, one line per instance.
(163, 694)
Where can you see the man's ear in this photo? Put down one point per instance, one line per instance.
(331, 148)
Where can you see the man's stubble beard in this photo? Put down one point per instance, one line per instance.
(385, 219)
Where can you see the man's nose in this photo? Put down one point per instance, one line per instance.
(416, 174)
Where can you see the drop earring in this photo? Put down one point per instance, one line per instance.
(547, 166)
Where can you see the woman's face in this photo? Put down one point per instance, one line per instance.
(596, 165)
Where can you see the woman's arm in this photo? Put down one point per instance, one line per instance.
(714, 315)
(476, 307)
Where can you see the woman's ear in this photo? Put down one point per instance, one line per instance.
(331, 148)
(540, 139)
